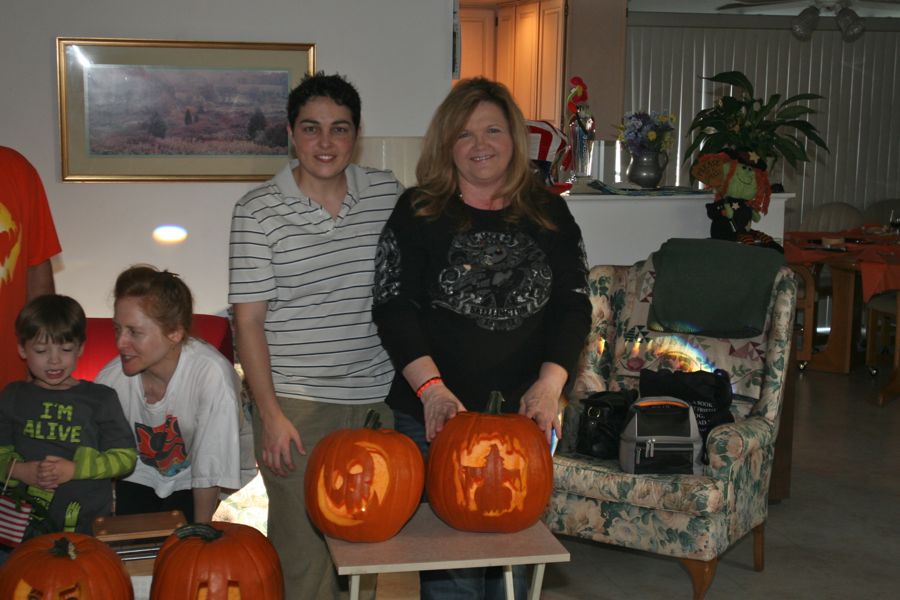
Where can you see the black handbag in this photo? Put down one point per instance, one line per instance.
(602, 420)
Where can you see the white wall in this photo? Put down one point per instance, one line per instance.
(397, 52)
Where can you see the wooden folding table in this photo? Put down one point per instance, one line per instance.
(427, 543)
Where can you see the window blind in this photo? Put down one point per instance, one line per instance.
(858, 117)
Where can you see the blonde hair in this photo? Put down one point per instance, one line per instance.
(437, 173)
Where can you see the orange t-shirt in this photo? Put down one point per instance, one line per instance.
(27, 238)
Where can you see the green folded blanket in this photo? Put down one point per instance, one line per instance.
(710, 287)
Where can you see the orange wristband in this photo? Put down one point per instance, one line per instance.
(428, 383)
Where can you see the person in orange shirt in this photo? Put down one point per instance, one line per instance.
(27, 242)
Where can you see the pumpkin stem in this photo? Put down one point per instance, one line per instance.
(63, 546)
(373, 420)
(494, 402)
(201, 530)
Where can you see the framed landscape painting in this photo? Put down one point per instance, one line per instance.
(157, 110)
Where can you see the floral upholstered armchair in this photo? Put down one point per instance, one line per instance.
(692, 517)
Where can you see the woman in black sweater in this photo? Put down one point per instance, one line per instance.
(481, 281)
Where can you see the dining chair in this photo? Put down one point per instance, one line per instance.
(880, 212)
(882, 332)
(814, 282)
(831, 216)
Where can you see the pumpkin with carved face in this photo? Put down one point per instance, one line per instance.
(218, 561)
(489, 472)
(363, 485)
(64, 566)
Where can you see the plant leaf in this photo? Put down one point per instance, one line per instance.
(792, 112)
(810, 131)
(791, 150)
(802, 97)
(691, 148)
(735, 78)
(773, 101)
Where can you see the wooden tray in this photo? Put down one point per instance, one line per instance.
(137, 527)
(138, 538)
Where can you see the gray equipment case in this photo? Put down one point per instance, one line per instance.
(661, 436)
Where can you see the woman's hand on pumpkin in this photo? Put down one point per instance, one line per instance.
(541, 401)
(278, 435)
(440, 406)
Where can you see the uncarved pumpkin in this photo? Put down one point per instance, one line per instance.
(218, 561)
(363, 484)
(489, 472)
(64, 566)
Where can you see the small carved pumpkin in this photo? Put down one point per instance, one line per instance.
(363, 485)
(218, 561)
(64, 566)
(489, 472)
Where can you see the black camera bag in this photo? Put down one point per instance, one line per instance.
(602, 419)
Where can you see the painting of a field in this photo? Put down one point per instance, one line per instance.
(175, 111)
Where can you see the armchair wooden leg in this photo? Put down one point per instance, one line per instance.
(702, 573)
(759, 550)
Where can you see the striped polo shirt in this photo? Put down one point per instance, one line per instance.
(316, 274)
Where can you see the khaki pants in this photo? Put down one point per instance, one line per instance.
(308, 571)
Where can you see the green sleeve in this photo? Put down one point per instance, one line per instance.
(90, 463)
(7, 454)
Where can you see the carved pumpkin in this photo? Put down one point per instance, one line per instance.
(64, 566)
(489, 472)
(363, 485)
(218, 561)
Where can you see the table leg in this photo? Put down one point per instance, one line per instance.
(508, 582)
(835, 357)
(354, 587)
(892, 387)
(537, 580)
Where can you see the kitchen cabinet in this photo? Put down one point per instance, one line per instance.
(539, 45)
(595, 51)
(477, 42)
(551, 48)
(529, 41)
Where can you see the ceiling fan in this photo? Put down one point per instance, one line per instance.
(803, 25)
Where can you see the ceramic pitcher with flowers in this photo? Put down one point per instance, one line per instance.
(646, 168)
(647, 136)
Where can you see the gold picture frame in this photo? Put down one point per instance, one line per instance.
(163, 110)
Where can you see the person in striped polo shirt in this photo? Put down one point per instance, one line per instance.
(301, 270)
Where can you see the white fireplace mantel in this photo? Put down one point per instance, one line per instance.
(621, 230)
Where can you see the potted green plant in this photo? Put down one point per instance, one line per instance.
(761, 130)
(736, 140)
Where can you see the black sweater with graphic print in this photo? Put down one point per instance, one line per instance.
(489, 301)
(84, 424)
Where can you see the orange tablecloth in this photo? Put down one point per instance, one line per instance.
(876, 255)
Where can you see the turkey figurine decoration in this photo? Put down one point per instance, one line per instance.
(363, 485)
(217, 561)
(64, 566)
(489, 472)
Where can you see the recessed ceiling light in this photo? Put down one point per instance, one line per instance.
(170, 234)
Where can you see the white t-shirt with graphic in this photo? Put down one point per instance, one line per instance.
(189, 439)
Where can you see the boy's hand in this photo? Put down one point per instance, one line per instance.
(26, 472)
(54, 471)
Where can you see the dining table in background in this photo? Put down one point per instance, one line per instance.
(871, 254)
